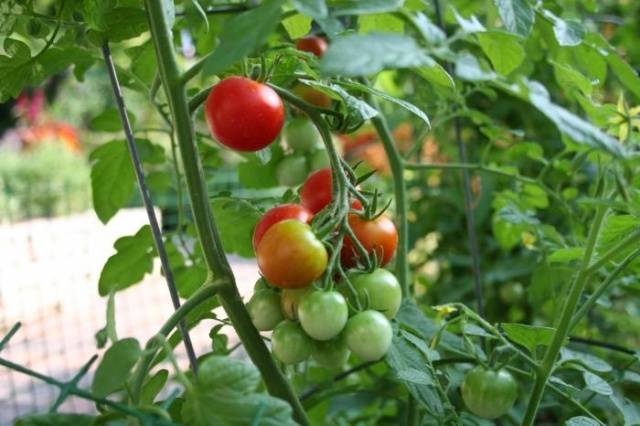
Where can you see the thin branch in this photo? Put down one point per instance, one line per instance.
(148, 203)
(605, 345)
(338, 377)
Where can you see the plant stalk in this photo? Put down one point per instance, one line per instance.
(208, 235)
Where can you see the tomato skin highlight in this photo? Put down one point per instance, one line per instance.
(264, 309)
(488, 393)
(278, 214)
(315, 193)
(377, 236)
(380, 289)
(368, 335)
(243, 114)
(332, 353)
(323, 314)
(312, 44)
(290, 256)
(289, 343)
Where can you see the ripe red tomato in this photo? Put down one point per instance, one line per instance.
(290, 256)
(243, 114)
(315, 193)
(489, 393)
(377, 236)
(278, 214)
(313, 44)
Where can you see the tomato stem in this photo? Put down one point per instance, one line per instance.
(216, 261)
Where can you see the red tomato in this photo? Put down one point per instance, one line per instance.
(315, 193)
(312, 44)
(278, 214)
(379, 236)
(290, 256)
(243, 114)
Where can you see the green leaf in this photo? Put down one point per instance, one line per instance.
(152, 386)
(359, 7)
(401, 103)
(113, 371)
(579, 130)
(242, 35)
(361, 55)
(568, 78)
(528, 336)
(467, 67)
(437, 75)
(627, 408)
(236, 220)
(316, 9)
(517, 15)
(95, 12)
(616, 227)
(502, 49)
(297, 26)
(469, 25)
(133, 259)
(581, 421)
(109, 121)
(566, 255)
(596, 384)
(380, 22)
(224, 395)
(430, 31)
(567, 32)
(112, 178)
(355, 105)
(590, 362)
(408, 365)
(625, 73)
(124, 23)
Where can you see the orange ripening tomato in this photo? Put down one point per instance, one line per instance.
(312, 44)
(312, 96)
(278, 214)
(377, 236)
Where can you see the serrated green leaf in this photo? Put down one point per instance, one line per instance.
(242, 35)
(569, 78)
(133, 260)
(528, 336)
(404, 104)
(115, 366)
(567, 32)
(361, 55)
(109, 121)
(355, 105)
(236, 220)
(503, 50)
(469, 25)
(380, 22)
(517, 15)
(566, 255)
(112, 178)
(359, 7)
(297, 26)
(316, 9)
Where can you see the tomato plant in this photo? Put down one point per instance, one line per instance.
(504, 136)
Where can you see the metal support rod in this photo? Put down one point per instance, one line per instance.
(148, 203)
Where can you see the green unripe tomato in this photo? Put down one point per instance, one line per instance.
(380, 289)
(512, 293)
(488, 393)
(301, 135)
(292, 170)
(323, 314)
(289, 343)
(264, 309)
(319, 159)
(369, 335)
(332, 353)
(289, 301)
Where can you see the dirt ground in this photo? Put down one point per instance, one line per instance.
(49, 271)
